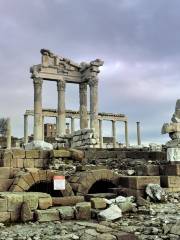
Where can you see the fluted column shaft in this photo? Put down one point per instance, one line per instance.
(138, 133)
(37, 108)
(61, 118)
(8, 133)
(83, 105)
(25, 129)
(100, 134)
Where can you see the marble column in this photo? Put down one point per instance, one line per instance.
(72, 124)
(61, 118)
(37, 108)
(43, 128)
(126, 134)
(114, 133)
(93, 83)
(25, 129)
(83, 105)
(100, 134)
(138, 133)
(8, 133)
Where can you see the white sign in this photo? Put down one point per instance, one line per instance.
(59, 182)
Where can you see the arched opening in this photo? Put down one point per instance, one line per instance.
(101, 186)
(45, 187)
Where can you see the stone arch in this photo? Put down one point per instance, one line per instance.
(24, 181)
(83, 181)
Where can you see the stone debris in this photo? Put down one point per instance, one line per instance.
(111, 213)
(38, 145)
(155, 192)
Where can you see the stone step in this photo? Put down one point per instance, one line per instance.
(138, 182)
(100, 195)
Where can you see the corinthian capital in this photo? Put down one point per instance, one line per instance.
(61, 85)
(38, 81)
(93, 82)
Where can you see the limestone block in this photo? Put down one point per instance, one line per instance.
(35, 175)
(39, 163)
(26, 213)
(19, 162)
(45, 203)
(31, 199)
(111, 213)
(77, 155)
(60, 153)
(15, 216)
(67, 201)
(14, 201)
(147, 170)
(173, 154)
(38, 145)
(170, 181)
(44, 154)
(98, 203)
(3, 205)
(5, 184)
(47, 215)
(5, 217)
(21, 183)
(66, 212)
(29, 179)
(125, 236)
(138, 182)
(5, 172)
(42, 175)
(32, 153)
(170, 169)
(18, 153)
(83, 211)
(29, 163)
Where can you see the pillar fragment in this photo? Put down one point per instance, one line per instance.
(83, 105)
(61, 118)
(25, 129)
(37, 108)
(138, 133)
(72, 124)
(8, 133)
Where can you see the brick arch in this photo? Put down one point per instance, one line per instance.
(83, 181)
(24, 181)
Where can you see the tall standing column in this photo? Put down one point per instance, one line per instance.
(25, 129)
(43, 128)
(114, 133)
(83, 105)
(37, 108)
(126, 134)
(72, 125)
(100, 133)
(138, 133)
(61, 118)
(93, 83)
(8, 133)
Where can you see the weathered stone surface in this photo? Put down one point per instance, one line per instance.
(3, 205)
(38, 145)
(125, 236)
(83, 211)
(60, 154)
(77, 155)
(18, 153)
(47, 215)
(155, 192)
(89, 196)
(138, 182)
(170, 181)
(5, 184)
(45, 203)
(26, 214)
(32, 154)
(173, 154)
(66, 212)
(111, 213)
(5, 216)
(28, 163)
(98, 203)
(147, 170)
(67, 201)
(170, 169)
(106, 236)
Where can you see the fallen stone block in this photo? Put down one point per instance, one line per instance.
(38, 145)
(5, 216)
(26, 213)
(155, 192)
(111, 213)
(100, 195)
(98, 203)
(125, 236)
(45, 203)
(67, 201)
(66, 213)
(83, 211)
(47, 215)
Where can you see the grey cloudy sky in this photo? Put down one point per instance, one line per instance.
(139, 41)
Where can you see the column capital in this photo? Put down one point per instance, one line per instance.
(83, 86)
(61, 85)
(93, 82)
(38, 81)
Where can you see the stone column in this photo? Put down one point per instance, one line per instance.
(37, 108)
(100, 134)
(8, 133)
(72, 125)
(25, 129)
(93, 83)
(138, 133)
(43, 128)
(126, 134)
(114, 133)
(61, 118)
(83, 105)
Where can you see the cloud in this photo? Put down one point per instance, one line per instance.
(138, 40)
